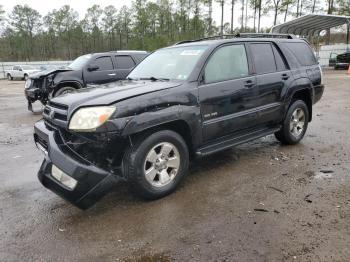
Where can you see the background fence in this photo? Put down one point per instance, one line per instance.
(326, 50)
(37, 64)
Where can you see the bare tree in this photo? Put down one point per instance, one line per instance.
(232, 14)
(222, 5)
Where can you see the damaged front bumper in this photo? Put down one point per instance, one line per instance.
(32, 95)
(36, 89)
(92, 182)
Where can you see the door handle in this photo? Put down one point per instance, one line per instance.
(249, 83)
(285, 77)
(112, 74)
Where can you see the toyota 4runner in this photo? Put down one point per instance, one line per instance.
(188, 100)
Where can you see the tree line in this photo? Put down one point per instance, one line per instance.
(145, 25)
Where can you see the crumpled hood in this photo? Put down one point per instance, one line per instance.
(48, 72)
(110, 93)
(32, 71)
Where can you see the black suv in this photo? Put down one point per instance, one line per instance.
(342, 61)
(191, 99)
(98, 68)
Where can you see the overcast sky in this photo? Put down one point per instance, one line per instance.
(81, 5)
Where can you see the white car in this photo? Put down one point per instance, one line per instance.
(20, 71)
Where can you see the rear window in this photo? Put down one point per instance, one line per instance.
(124, 62)
(302, 52)
(281, 66)
(263, 58)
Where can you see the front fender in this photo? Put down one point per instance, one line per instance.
(151, 119)
(69, 77)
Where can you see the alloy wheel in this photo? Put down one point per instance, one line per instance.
(162, 164)
(297, 122)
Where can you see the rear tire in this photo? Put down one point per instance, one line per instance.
(295, 124)
(156, 164)
(9, 77)
(63, 90)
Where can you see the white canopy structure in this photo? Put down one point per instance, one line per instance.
(311, 25)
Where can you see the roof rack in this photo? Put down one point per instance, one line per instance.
(265, 35)
(208, 38)
(240, 35)
(127, 51)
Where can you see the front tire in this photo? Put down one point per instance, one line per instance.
(156, 164)
(295, 124)
(63, 90)
(25, 78)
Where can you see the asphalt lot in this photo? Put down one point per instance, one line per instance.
(257, 202)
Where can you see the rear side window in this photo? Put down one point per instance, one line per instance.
(228, 62)
(104, 63)
(281, 66)
(124, 62)
(263, 57)
(302, 52)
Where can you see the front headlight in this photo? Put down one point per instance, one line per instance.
(28, 83)
(89, 118)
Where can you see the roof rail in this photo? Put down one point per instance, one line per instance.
(265, 35)
(207, 38)
(239, 35)
(128, 51)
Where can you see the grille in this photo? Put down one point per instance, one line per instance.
(56, 114)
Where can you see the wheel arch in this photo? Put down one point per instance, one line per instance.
(300, 89)
(151, 122)
(74, 84)
(304, 94)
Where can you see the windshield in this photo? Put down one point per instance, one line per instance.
(80, 62)
(174, 63)
(26, 67)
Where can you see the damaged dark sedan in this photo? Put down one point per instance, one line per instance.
(191, 99)
(97, 68)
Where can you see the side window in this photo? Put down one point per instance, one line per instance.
(228, 62)
(104, 63)
(302, 52)
(124, 62)
(16, 68)
(263, 58)
(281, 66)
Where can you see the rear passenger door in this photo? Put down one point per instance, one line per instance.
(273, 78)
(125, 64)
(104, 73)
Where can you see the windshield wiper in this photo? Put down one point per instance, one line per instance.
(152, 78)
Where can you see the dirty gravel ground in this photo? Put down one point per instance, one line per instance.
(258, 202)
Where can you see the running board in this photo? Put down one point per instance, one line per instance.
(235, 141)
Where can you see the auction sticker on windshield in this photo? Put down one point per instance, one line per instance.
(191, 52)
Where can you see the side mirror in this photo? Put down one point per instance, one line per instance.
(93, 68)
(20, 69)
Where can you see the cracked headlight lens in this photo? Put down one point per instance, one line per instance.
(89, 118)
